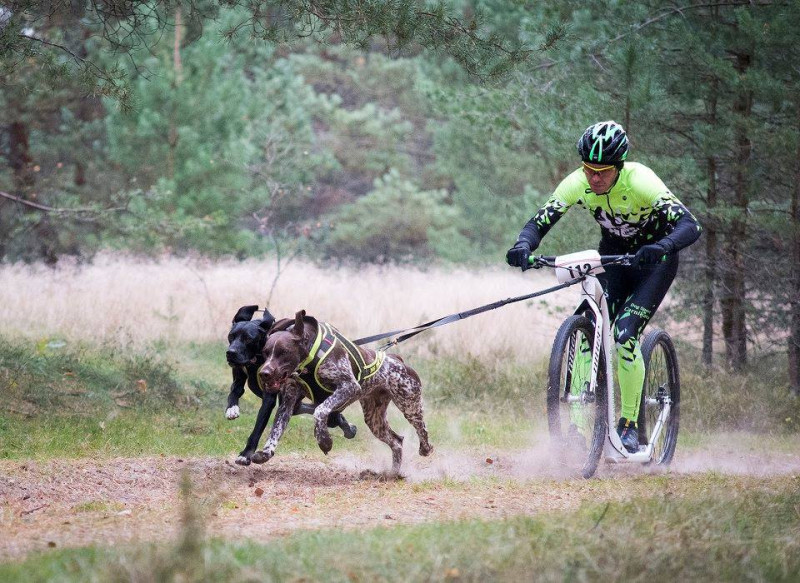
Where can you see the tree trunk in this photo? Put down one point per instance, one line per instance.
(630, 64)
(794, 303)
(711, 265)
(734, 325)
(19, 158)
(177, 79)
(176, 47)
(711, 241)
(89, 108)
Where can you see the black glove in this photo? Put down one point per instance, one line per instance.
(651, 254)
(518, 255)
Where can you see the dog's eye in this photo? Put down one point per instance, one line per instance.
(230, 337)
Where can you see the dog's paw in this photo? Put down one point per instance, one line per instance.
(261, 457)
(425, 449)
(232, 412)
(350, 431)
(325, 443)
(242, 461)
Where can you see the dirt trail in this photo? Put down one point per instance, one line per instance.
(72, 503)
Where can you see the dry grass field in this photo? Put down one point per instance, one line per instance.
(134, 301)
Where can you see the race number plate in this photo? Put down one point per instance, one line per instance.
(574, 265)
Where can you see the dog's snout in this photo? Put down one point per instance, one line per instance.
(271, 376)
(266, 373)
(234, 356)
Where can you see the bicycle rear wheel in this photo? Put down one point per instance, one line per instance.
(576, 416)
(661, 385)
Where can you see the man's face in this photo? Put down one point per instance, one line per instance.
(601, 177)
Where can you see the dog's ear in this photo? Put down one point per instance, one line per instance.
(298, 322)
(267, 321)
(281, 325)
(245, 314)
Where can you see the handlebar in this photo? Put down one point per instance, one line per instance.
(538, 261)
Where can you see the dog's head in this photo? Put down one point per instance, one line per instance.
(285, 348)
(247, 336)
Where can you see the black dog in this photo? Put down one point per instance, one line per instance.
(246, 342)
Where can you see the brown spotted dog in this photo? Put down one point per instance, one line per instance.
(307, 358)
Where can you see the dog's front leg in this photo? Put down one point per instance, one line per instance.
(335, 419)
(237, 390)
(348, 391)
(267, 405)
(289, 398)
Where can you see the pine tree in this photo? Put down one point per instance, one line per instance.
(735, 76)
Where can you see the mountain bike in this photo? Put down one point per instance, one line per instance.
(581, 397)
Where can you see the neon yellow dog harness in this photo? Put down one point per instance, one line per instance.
(326, 340)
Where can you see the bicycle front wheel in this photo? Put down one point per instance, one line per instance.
(662, 385)
(576, 415)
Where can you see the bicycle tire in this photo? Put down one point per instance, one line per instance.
(571, 451)
(662, 378)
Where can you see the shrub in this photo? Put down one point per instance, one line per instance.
(52, 375)
(395, 221)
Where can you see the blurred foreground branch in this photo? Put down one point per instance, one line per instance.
(50, 209)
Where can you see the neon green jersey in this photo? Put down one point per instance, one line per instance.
(639, 209)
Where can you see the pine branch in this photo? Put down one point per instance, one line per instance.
(50, 209)
(78, 59)
(681, 9)
(470, 33)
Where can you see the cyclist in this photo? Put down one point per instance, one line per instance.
(637, 215)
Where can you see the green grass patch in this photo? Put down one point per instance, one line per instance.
(99, 506)
(73, 401)
(757, 399)
(199, 432)
(105, 402)
(42, 377)
(206, 432)
(497, 385)
(708, 527)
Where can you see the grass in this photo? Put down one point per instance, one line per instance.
(123, 301)
(83, 401)
(206, 432)
(99, 506)
(707, 527)
(127, 333)
(756, 400)
(105, 402)
(200, 432)
(99, 400)
(36, 377)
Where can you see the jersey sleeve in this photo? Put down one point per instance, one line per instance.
(681, 227)
(566, 194)
(685, 227)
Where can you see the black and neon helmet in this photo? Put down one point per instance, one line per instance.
(604, 143)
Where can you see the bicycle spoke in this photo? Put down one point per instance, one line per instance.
(661, 388)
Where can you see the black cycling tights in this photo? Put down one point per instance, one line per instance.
(633, 295)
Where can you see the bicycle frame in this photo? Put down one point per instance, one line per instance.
(586, 265)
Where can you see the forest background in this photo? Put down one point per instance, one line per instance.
(397, 132)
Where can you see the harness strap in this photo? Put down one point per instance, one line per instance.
(324, 343)
(364, 370)
(314, 349)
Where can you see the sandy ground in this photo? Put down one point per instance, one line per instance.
(73, 503)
